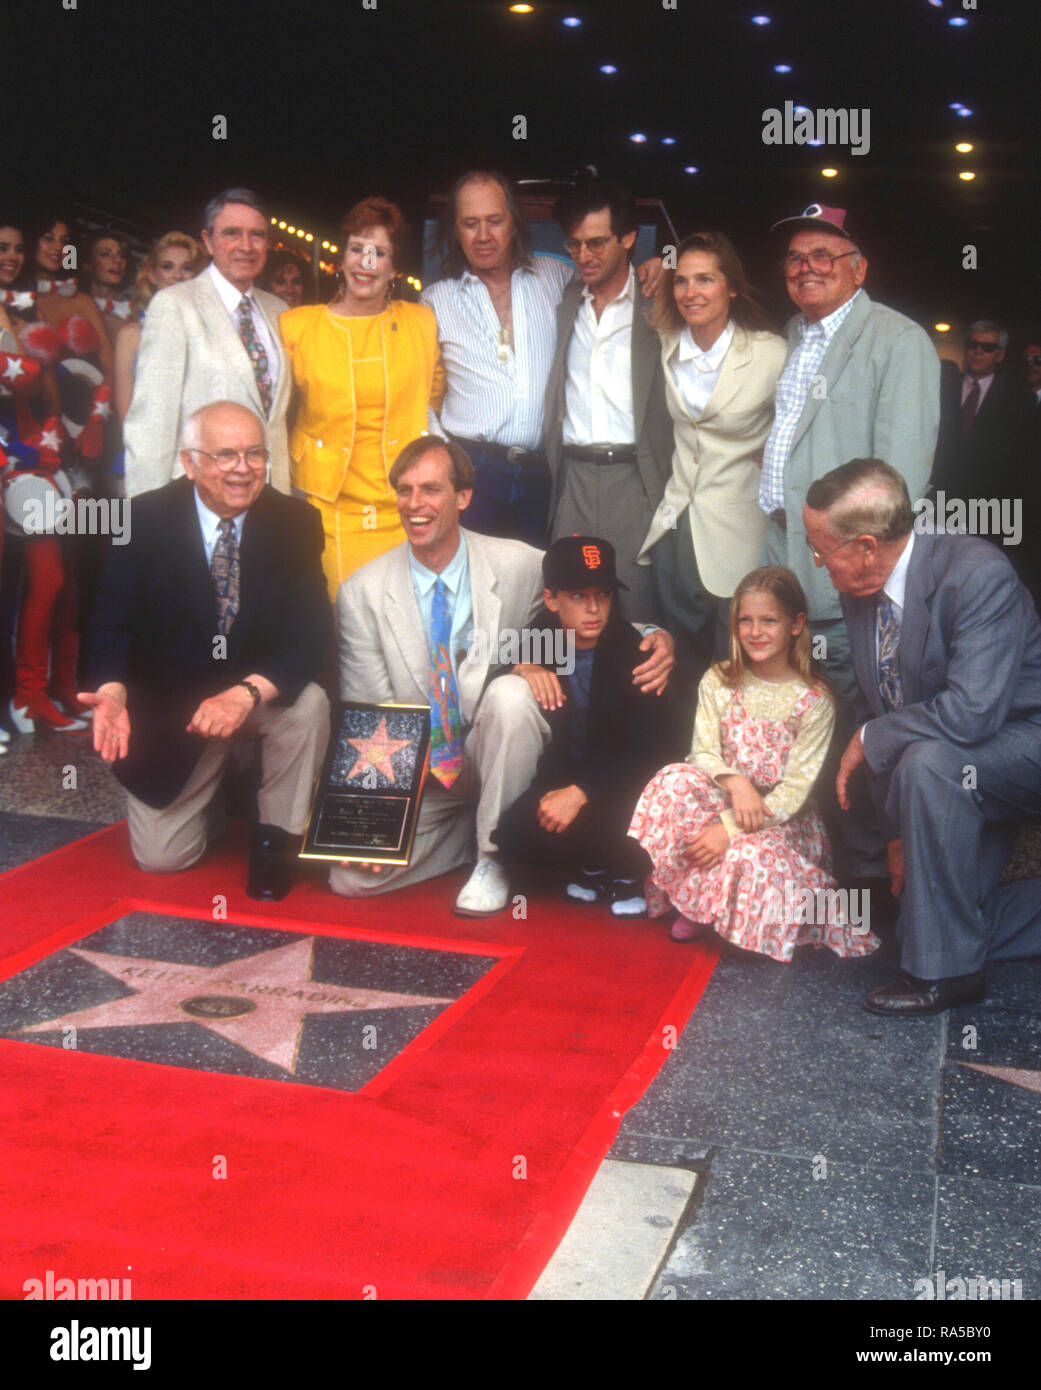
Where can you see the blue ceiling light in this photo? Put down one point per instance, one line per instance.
(760, 19)
(668, 139)
(690, 169)
(571, 22)
(800, 110)
(609, 68)
(957, 21)
(963, 111)
(782, 67)
(815, 142)
(638, 139)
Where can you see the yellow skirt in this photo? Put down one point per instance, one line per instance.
(355, 533)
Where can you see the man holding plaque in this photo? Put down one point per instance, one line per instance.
(213, 619)
(432, 620)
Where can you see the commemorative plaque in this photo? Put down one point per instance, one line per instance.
(371, 785)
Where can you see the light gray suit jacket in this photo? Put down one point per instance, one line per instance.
(969, 652)
(384, 654)
(651, 421)
(880, 398)
(190, 355)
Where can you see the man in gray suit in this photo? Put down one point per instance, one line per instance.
(861, 381)
(947, 650)
(211, 338)
(608, 430)
(481, 594)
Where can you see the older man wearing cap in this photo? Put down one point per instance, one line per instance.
(860, 381)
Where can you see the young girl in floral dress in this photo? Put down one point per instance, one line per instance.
(737, 845)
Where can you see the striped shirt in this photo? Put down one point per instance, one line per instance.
(793, 387)
(498, 393)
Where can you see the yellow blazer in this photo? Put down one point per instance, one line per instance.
(322, 436)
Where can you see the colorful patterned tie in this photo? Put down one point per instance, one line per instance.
(257, 355)
(887, 630)
(446, 731)
(225, 570)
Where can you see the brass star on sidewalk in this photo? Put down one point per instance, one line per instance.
(258, 1002)
(376, 752)
(1015, 1076)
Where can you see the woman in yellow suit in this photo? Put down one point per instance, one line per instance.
(366, 368)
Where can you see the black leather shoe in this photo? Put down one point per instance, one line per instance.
(268, 864)
(909, 997)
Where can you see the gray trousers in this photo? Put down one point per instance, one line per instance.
(955, 914)
(608, 500)
(500, 754)
(698, 621)
(858, 836)
(293, 739)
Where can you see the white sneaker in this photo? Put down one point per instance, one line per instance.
(5, 736)
(21, 720)
(486, 891)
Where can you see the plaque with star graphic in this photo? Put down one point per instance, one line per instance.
(371, 786)
(248, 1001)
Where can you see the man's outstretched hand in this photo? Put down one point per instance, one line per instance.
(111, 721)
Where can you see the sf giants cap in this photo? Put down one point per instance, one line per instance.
(580, 562)
(817, 215)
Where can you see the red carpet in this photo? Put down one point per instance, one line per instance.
(452, 1174)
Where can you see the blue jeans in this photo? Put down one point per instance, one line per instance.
(510, 499)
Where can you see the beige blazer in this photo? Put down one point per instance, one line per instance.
(190, 355)
(715, 467)
(384, 655)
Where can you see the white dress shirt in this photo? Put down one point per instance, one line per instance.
(230, 297)
(456, 576)
(497, 392)
(694, 372)
(598, 389)
(983, 382)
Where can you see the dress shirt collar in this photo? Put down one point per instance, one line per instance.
(629, 291)
(230, 297)
(983, 382)
(453, 573)
(711, 359)
(470, 278)
(827, 327)
(209, 522)
(895, 586)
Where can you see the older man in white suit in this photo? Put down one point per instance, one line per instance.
(211, 338)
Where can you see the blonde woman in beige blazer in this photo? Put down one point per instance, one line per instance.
(721, 368)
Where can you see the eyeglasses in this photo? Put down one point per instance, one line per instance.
(819, 557)
(820, 261)
(226, 459)
(594, 244)
(975, 345)
(1031, 360)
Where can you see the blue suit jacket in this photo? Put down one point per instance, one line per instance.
(969, 651)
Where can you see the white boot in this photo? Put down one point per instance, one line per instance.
(486, 891)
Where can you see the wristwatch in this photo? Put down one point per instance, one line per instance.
(254, 692)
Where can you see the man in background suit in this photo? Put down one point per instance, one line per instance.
(947, 650)
(211, 338)
(431, 621)
(608, 430)
(213, 619)
(861, 381)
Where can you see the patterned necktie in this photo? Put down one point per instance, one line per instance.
(225, 570)
(257, 355)
(969, 408)
(446, 734)
(887, 630)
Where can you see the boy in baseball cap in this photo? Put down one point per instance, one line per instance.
(606, 736)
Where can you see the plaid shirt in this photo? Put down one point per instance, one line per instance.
(793, 387)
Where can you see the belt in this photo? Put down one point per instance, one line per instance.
(595, 453)
(780, 517)
(506, 453)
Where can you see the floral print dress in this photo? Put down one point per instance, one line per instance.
(773, 889)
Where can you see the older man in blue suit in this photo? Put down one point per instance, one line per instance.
(947, 650)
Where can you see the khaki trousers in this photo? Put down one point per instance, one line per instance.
(293, 740)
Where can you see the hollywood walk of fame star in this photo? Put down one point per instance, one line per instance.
(1015, 1076)
(376, 752)
(258, 1002)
